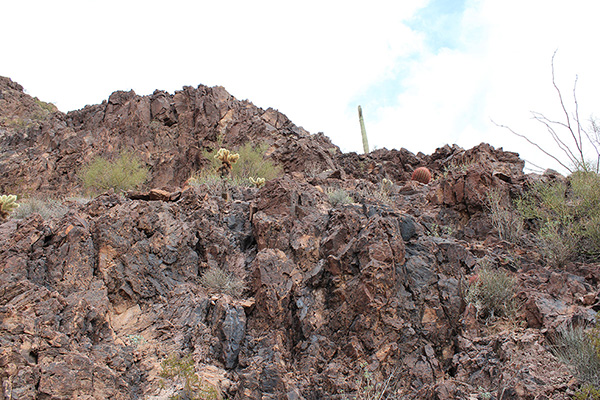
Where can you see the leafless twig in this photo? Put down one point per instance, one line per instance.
(573, 148)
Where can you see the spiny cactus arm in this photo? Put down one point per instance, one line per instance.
(226, 156)
(363, 131)
(7, 204)
(233, 158)
(259, 182)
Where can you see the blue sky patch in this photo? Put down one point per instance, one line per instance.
(440, 23)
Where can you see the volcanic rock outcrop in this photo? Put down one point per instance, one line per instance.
(93, 301)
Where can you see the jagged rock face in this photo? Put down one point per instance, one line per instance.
(92, 302)
(327, 289)
(168, 132)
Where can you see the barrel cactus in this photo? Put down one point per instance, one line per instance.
(7, 204)
(421, 174)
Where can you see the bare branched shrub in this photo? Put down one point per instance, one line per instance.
(570, 135)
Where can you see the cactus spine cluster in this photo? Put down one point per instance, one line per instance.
(7, 204)
(363, 131)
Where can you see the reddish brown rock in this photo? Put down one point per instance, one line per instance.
(93, 301)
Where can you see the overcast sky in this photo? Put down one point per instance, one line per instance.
(427, 73)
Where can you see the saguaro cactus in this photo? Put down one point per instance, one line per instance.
(363, 131)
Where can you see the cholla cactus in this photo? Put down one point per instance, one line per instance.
(227, 159)
(7, 204)
(386, 185)
(258, 182)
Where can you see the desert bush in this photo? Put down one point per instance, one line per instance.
(568, 215)
(250, 164)
(124, 173)
(338, 197)
(368, 387)
(507, 222)
(580, 350)
(587, 392)
(47, 208)
(43, 109)
(253, 164)
(183, 372)
(223, 282)
(492, 292)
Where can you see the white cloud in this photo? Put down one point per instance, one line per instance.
(316, 61)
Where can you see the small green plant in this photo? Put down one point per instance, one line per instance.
(124, 173)
(338, 197)
(369, 388)
(579, 349)
(183, 372)
(43, 109)
(508, 223)
(8, 203)
(223, 282)
(587, 392)
(436, 230)
(484, 394)
(46, 208)
(492, 292)
(135, 340)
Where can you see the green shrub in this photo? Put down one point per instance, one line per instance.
(368, 387)
(568, 215)
(42, 109)
(579, 350)
(492, 292)
(587, 392)
(124, 173)
(182, 371)
(338, 197)
(250, 164)
(222, 282)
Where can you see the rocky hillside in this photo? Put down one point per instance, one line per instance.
(316, 298)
